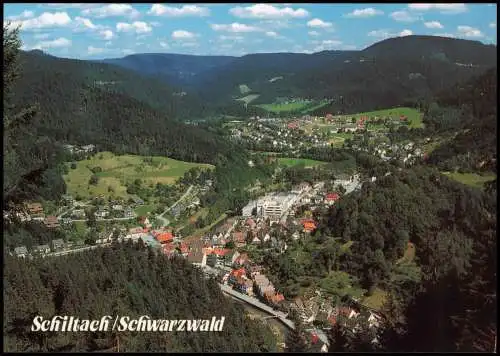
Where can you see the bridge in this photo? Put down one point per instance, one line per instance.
(259, 305)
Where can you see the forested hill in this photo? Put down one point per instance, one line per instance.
(172, 68)
(389, 73)
(472, 107)
(126, 281)
(82, 102)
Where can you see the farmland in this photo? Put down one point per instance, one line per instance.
(304, 106)
(118, 171)
(290, 162)
(413, 115)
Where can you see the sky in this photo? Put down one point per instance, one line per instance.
(96, 31)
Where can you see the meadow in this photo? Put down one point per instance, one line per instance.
(118, 171)
(414, 116)
(291, 162)
(471, 179)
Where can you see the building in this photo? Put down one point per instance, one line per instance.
(144, 221)
(197, 258)
(129, 213)
(51, 222)
(165, 237)
(21, 251)
(41, 249)
(331, 198)
(57, 245)
(309, 225)
(68, 199)
(35, 208)
(212, 260)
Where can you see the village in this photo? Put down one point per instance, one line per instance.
(289, 137)
(269, 222)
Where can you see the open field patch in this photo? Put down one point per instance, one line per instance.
(290, 162)
(376, 300)
(244, 89)
(471, 179)
(414, 116)
(117, 171)
(249, 98)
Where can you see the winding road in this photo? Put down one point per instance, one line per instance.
(166, 221)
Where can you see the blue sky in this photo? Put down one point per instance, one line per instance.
(92, 31)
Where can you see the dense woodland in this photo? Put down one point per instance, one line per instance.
(127, 281)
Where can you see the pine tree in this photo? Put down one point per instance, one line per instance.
(296, 338)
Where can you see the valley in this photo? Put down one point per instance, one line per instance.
(349, 193)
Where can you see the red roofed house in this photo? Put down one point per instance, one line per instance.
(251, 223)
(293, 125)
(168, 249)
(239, 239)
(332, 198)
(144, 221)
(165, 237)
(403, 118)
(309, 225)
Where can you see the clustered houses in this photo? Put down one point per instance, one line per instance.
(56, 245)
(80, 149)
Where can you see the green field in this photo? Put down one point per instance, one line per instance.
(117, 171)
(290, 162)
(414, 116)
(276, 108)
(244, 89)
(376, 300)
(249, 98)
(471, 179)
(144, 210)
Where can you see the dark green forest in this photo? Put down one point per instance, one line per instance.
(127, 281)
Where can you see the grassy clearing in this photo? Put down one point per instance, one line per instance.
(244, 89)
(376, 300)
(290, 162)
(409, 254)
(298, 105)
(145, 209)
(414, 116)
(117, 171)
(471, 179)
(249, 98)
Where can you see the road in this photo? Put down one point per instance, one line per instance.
(166, 221)
(112, 219)
(256, 303)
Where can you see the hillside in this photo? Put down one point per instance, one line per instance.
(172, 68)
(389, 73)
(473, 147)
(81, 102)
(124, 281)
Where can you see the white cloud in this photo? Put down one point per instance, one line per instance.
(319, 23)
(444, 34)
(313, 33)
(41, 36)
(327, 44)
(45, 20)
(112, 10)
(127, 51)
(433, 24)
(164, 45)
(267, 11)
(271, 34)
(189, 44)
(467, 31)
(493, 25)
(363, 13)
(57, 43)
(406, 33)
(235, 27)
(24, 15)
(183, 35)
(443, 8)
(186, 10)
(403, 16)
(94, 50)
(85, 23)
(107, 34)
(136, 26)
